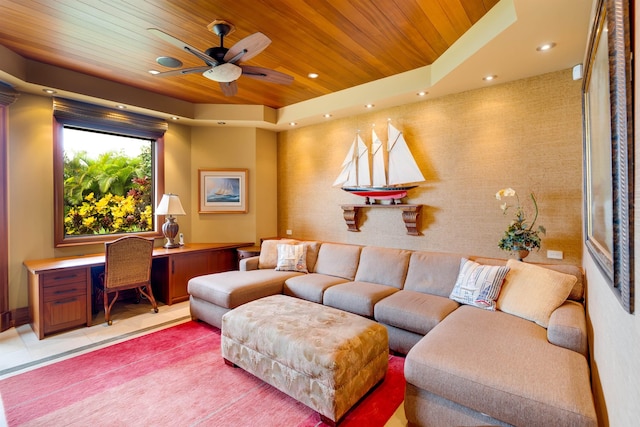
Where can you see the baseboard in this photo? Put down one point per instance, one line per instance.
(20, 316)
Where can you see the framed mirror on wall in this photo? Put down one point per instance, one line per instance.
(609, 148)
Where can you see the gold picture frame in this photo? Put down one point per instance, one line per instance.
(223, 191)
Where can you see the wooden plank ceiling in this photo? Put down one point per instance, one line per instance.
(347, 42)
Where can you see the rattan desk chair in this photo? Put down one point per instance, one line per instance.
(127, 266)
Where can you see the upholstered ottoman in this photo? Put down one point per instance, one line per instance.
(323, 357)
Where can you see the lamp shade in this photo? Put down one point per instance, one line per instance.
(170, 205)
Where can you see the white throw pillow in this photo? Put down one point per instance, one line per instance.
(478, 285)
(534, 292)
(292, 258)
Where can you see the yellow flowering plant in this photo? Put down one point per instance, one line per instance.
(519, 235)
(112, 213)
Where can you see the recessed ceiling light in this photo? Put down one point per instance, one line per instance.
(369, 106)
(326, 116)
(175, 118)
(49, 91)
(422, 93)
(122, 107)
(154, 72)
(313, 75)
(293, 124)
(546, 46)
(489, 78)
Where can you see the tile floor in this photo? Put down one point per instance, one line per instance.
(21, 350)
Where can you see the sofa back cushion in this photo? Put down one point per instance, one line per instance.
(433, 272)
(577, 292)
(384, 266)
(269, 252)
(338, 260)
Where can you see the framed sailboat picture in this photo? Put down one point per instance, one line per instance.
(222, 190)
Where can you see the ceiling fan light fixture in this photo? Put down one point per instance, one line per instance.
(223, 73)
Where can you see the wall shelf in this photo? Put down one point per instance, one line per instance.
(410, 216)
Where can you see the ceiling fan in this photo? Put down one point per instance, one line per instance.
(223, 65)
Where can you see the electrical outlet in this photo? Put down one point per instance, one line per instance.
(289, 232)
(554, 254)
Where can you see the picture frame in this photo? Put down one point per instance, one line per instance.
(222, 191)
(609, 148)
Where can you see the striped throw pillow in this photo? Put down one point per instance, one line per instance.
(478, 285)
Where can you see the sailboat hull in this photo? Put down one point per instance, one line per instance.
(380, 193)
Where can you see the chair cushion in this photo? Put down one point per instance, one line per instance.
(413, 311)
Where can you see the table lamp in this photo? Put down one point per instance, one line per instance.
(170, 205)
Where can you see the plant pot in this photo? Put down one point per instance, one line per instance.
(521, 254)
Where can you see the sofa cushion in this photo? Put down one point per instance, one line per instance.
(413, 311)
(233, 288)
(292, 258)
(432, 272)
(338, 260)
(269, 252)
(384, 266)
(356, 297)
(533, 292)
(503, 366)
(568, 327)
(310, 286)
(478, 285)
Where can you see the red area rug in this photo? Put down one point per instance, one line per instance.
(176, 377)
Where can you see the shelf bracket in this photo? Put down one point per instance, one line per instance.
(410, 216)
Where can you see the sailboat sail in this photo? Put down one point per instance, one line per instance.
(379, 174)
(355, 166)
(402, 167)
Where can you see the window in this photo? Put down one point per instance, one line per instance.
(108, 173)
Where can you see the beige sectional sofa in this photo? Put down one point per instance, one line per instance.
(464, 365)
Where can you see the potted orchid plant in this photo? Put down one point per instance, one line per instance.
(520, 237)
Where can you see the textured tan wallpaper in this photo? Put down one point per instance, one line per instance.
(525, 134)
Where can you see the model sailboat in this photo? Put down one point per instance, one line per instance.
(386, 180)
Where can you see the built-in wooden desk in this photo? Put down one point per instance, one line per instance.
(60, 288)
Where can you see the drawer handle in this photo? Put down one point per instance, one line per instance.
(66, 291)
(70, 276)
(64, 301)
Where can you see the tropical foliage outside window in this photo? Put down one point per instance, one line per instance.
(108, 183)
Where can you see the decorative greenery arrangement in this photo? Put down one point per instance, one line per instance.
(519, 235)
(111, 194)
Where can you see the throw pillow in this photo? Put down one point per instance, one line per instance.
(292, 258)
(533, 292)
(478, 285)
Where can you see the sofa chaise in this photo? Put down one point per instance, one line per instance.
(487, 341)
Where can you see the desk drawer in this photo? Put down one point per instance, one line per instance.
(63, 291)
(64, 313)
(76, 275)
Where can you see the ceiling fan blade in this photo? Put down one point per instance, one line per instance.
(229, 89)
(266, 74)
(253, 45)
(183, 46)
(183, 71)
